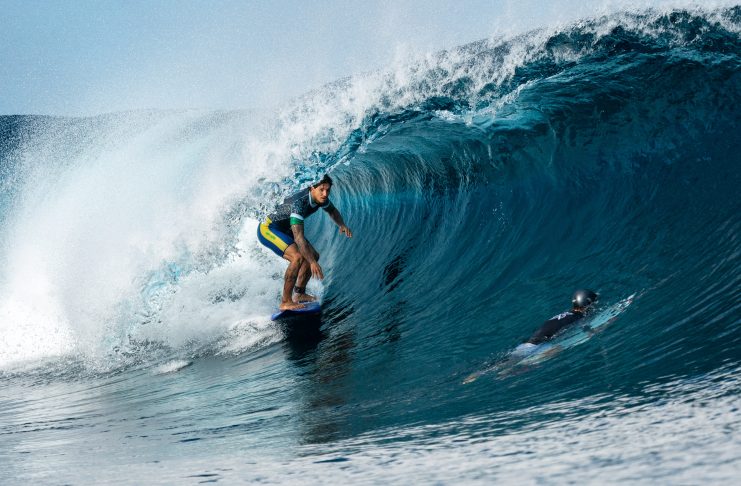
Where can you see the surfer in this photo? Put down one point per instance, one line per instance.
(581, 302)
(283, 233)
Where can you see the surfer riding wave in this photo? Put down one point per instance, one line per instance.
(283, 233)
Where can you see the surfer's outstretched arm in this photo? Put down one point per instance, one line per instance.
(337, 218)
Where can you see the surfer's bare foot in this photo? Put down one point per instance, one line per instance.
(303, 298)
(291, 305)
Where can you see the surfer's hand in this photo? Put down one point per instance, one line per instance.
(346, 231)
(316, 271)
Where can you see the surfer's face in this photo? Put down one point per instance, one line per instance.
(320, 193)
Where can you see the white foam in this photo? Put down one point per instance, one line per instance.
(84, 234)
(172, 366)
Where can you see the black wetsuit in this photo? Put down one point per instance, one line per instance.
(553, 325)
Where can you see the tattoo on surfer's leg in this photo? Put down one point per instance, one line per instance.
(290, 279)
(304, 274)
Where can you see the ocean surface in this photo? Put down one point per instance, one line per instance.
(483, 185)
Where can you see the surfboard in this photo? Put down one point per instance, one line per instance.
(309, 309)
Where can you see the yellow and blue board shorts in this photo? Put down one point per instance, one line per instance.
(273, 238)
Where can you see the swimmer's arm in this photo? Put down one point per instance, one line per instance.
(337, 218)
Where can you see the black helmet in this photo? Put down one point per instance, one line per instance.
(583, 298)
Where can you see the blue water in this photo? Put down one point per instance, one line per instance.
(483, 185)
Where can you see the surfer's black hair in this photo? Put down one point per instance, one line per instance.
(325, 180)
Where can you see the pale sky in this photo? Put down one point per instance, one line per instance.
(82, 57)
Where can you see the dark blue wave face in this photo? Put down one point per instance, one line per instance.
(618, 172)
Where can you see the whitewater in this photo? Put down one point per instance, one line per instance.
(483, 184)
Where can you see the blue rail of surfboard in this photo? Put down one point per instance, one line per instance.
(308, 309)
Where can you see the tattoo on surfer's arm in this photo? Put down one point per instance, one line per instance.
(304, 247)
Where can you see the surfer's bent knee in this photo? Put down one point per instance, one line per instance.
(298, 260)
